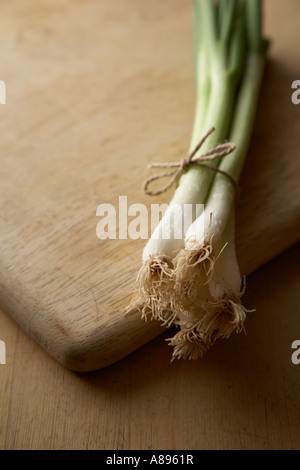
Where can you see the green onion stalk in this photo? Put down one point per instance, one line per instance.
(194, 282)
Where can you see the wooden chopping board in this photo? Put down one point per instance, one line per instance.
(95, 91)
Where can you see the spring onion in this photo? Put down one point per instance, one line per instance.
(194, 282)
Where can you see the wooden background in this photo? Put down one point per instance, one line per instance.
(245, 393)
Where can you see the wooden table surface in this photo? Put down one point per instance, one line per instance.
(243, 395)
(245, 392)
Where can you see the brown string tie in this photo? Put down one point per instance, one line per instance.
(220, 151)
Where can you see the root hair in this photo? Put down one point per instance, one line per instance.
(155, 283)
(188, 344)
(223, 316)
(193, 268)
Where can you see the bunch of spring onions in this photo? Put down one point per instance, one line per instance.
(194, 282)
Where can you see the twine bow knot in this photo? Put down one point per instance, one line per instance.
(220, 151)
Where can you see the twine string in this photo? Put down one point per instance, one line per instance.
(178, 168)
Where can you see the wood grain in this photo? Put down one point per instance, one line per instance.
(244, 394)
(97, 90)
